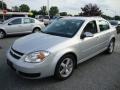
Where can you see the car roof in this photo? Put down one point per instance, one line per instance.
(19, 17)
(85, 18)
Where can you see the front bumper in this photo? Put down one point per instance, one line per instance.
(30, 70)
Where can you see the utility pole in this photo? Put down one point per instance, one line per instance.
(3, 10)
(48, 7)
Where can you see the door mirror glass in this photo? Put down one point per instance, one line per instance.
(9, 23)
(86, 34)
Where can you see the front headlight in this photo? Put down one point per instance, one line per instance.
(36, 57)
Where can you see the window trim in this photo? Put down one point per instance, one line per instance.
(87, 24)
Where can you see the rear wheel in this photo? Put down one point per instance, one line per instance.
(36, 30)
(65, 67)
(2, 34)
(111, 47)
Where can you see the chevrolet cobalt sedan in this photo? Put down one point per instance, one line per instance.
(20, 25)
(60, 47)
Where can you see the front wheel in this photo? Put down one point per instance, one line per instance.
(2, 34)
(64, 67)
(111, 47)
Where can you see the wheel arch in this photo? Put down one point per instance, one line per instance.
(3, 31)
(36, 28)
(58, 57)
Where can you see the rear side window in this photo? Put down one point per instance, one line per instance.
(26, 20)
(103, 25)
(32, 21)
(91, 27)
(16, 21)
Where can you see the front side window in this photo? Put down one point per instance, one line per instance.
(91, 27)
(64, 27)
(16, 21)
(103, 25)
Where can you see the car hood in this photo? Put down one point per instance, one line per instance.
(36, 42)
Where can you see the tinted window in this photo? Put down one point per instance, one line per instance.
(114, 23)
(46, 17)
(103, 25)
(16, 21)
(91, 27)
(64, 27)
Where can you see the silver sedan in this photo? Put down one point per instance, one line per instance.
(19, 25)
(61, 47)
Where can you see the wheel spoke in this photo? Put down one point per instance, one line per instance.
(62, 71)
(67, 72)
(68, 61)
(63, 65)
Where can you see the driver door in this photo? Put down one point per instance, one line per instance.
(89, 45)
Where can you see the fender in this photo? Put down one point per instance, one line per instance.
(59, 55)
(3, 29)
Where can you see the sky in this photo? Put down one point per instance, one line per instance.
(108, 7)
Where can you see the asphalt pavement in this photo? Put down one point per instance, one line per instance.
(99, 73)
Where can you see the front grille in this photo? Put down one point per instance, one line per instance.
(19, 53)
(15, 54)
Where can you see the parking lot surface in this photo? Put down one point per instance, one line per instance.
(99, 73)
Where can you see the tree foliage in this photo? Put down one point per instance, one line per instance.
(117, 17)
(54, 10)
(24, 8)
(4, 5)
(107, 17)
(63, 13)
(91, 10)
(15, 8)
(43, 10)
(35, 12)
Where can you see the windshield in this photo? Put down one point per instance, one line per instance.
(64, 27)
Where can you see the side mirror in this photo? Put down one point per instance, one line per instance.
(9, 23)
(86, 34)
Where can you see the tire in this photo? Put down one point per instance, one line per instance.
(36, 30)
(65, 67)
(111, 46)
(2, 34)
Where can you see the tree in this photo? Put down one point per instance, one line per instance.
(43, 10)
(4, 5)
(53, 10)
(63, 13)
(91, 10)
(15, 8)
(34, 13)
(107, 17)
(24, 8)
(117, 17)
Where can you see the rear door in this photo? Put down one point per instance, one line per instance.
(104, 33)
(28, 24)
